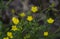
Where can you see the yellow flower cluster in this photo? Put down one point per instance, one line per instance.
(9, 34)
(15, 20)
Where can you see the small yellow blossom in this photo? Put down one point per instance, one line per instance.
(9, 34)
(6, 38)
(13, 11)
(34, 9)
(45, 33)
(50, 20)
(14, 28)
(15, 20)
(22, 14)
(29, 18)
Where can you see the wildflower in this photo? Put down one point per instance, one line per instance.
(29, 18)
(14, 28)
(22, 14)
(45, 33)
(15, 20)
(50, 20)
(6, 38)
(9, 34)
(13, 11)
(34, 9)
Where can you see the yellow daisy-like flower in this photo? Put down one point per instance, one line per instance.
(50, 20)
(34, 9)
(45, 33)
(29, 18)
(9, 34)
(15, 20)
(14, 28)
(6, 38)
(13, 11)
(22, 14)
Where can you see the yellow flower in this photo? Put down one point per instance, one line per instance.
(50, 20)
(34, 9)
(9, 34)
(45, 33)
(22, 14)
(29, 18)
(13, 11)
(14, 28)
(6, 38)
(15, 20)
